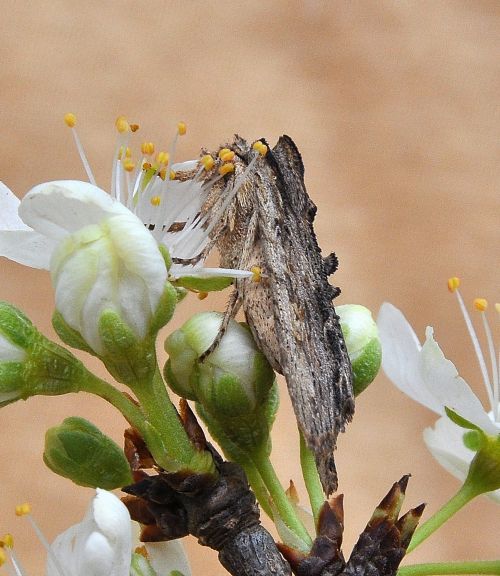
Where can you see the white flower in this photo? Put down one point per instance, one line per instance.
(102, 545)
(169, 207)
(424, 374)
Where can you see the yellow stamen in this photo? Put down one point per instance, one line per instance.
(155, 201)
(128, 165)
(7, 541)
(453, 283)
(172, 175)
(202, 295)
(122, 125)
(223, 151)
(3, 557)
(162, 157)
(142, 551)
(497, 307)
(148, 148)
(226, 168)
(124, 152)
(162, 174)
(146, 166)
(23, 509)
(480, 304)
(181, 128)
(208, 162)
(227, 156)
(260, 147)
(134, 127)
(256, 273)
(70, 119)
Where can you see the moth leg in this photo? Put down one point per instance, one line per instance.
(235, 302)
(233, 306)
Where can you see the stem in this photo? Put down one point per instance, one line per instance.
(164, 419)
(98, 387)
(280, 499)
(479, 567)
(257, 485)
(311, 478)
(461, 498)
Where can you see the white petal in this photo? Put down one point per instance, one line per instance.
(400, 356)
(100, 545)
(56, 209)
(167, 556)
(441, 379)
(445, 443)
(9, 352)
(27, 247)
(9, 204)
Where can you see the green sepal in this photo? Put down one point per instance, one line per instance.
(68, 335)
(128, 360)
(16, 326)
(460, 420)
(366, 366)
(78, 450)
(165, 309)
(214, 284)
(166, 255)
(484, 470)
(175, 385)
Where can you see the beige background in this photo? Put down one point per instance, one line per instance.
(394, 106)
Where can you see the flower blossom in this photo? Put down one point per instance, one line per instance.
(166, 197)
(428, 377)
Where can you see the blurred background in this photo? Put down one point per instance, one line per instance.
(394, 107)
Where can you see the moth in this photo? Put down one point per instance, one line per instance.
(268, 224)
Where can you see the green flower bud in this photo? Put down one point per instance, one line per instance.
(81, 452)
(30, 364)
(484, 471)
(363, 344)
(233, 385)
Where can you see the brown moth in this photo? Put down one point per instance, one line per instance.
(269, 224)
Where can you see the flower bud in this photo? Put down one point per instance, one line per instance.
(112, 294)
(30, 364)
(81, 452)
(363, 344)
(233, 385)
(233, 379)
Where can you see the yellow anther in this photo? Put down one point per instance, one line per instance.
(122, 125)
(453, 283)
(134, 127)
(208, 162)
(142, 550)
(202, 295)
(155, 200)
(260, 147)
(181, 128)
(480, 304)
(70, 119)
(227, 156)
(7, 541)
(23, 509)
(124, 152)
(3, 557)
(146, 166)
(162, 157)
(497, 307)
(128, 165)
(148, 148)
(223, 151)
(172, 175)
(162, 174)
(226, 168)
(256, 273)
